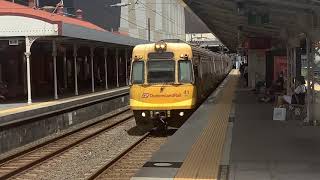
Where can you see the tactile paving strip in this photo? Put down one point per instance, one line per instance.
(203, 160)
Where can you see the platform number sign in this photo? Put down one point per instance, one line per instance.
(13, 42)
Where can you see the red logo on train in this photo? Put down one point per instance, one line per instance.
(145, 95)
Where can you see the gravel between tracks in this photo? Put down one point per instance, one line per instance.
(130, 163)
(80, 161)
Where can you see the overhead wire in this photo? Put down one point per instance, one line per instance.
(170, 19)
(150, 25)
(155, 29)
(144, 28)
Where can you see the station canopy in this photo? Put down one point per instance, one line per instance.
(233, 21)
(19, 21)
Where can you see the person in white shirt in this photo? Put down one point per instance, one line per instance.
(298, 96)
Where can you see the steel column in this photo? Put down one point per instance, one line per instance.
(308, 42)
(312, 83)
(211, 60)
(126, 62)
(65, 73)
(117, 65)
(29, 41)
(54, 55)
(288, 70)
(75, 54)
(28, 54)
(105, 53)
(92, 68)
(214, 65)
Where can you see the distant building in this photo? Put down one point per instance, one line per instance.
(167, 18)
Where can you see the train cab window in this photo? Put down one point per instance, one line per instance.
(161, 71)
(137, 76)
(185, 72)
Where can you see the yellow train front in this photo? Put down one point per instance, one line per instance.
(167, 81)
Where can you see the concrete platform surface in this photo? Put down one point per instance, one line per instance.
(263, 149)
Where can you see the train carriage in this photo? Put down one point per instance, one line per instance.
(169, 79)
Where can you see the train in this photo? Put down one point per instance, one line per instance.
(169, 79)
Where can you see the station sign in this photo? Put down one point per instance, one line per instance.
(13, 42)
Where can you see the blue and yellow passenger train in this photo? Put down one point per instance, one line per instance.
(169, 79)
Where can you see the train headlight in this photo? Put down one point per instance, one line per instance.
(137, 58)
(160, 46)
(184, 56)
(181, 114)
(143, 114)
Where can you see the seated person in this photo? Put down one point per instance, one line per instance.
(298, 96)
(276, 87)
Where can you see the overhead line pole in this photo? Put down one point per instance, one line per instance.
(149, 30)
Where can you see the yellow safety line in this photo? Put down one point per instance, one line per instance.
(24, 108)
(54, 102)
(203, 159)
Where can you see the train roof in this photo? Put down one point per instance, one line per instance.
(177, 43)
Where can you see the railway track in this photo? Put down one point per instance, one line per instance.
(27, 159)
(129, 161)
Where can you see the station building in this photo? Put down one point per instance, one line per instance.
(130, 17)
(47, 55)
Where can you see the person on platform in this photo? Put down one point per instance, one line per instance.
(245, 73)
(276, 87)
(298, 96)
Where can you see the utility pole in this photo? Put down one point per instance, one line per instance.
(149, 30)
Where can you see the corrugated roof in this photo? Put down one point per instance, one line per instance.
(9, 8)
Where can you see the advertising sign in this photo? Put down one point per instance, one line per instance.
(280, 65)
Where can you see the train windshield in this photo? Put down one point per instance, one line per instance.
(137, 76)
(161, 71)
(185, 72)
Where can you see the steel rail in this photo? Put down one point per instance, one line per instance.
(38, 160)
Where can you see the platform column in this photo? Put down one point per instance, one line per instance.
(117, 65)
(211, 65)
(288, 71)
(221, 65)
(214, 66)
(29, 41)
(54, 55)
(105, 53)
(126, 62)
(311, 81)
(310, 60)
(75, 54)
(65, 73)
(92, 68)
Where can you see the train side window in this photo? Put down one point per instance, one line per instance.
(185, 72)
(137, 76)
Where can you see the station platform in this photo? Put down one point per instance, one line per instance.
(22, 111)
(27, 125)
(233, 136)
